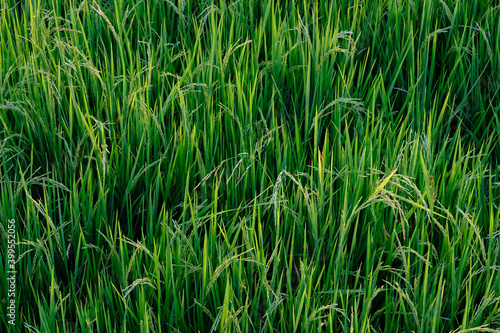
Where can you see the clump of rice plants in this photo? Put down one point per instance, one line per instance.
(250, 166)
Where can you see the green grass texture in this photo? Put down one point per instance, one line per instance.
(251, 166)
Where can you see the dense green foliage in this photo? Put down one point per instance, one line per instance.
(245, 165)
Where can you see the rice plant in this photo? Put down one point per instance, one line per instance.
(250, 166)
